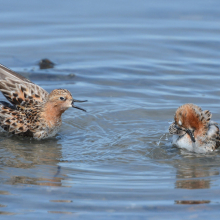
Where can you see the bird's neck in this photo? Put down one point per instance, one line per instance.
(51, 113)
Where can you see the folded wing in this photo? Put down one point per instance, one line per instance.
(20, 91)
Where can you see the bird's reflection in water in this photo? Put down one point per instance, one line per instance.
(193, 178)
(191, 202)
(194, 172)
(26, 161)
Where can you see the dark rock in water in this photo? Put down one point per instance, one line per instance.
(46, 64)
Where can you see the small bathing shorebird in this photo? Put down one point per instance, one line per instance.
(193, 130)
(32, 111)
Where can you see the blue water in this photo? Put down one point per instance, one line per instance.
(135, 62)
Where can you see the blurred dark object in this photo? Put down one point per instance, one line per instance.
(46, 64)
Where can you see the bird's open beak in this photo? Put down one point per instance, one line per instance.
(74, 100)
(191, 134)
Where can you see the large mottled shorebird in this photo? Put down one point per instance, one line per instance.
(32, 111)
(193, 130)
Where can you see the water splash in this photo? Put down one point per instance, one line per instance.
(166, 138)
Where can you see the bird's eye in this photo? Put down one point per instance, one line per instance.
(61, 98)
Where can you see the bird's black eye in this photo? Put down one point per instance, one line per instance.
(61, 98)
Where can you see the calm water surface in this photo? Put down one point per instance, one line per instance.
(136, 62)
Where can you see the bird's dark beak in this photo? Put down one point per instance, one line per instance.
(191, 134)
(74, 100)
